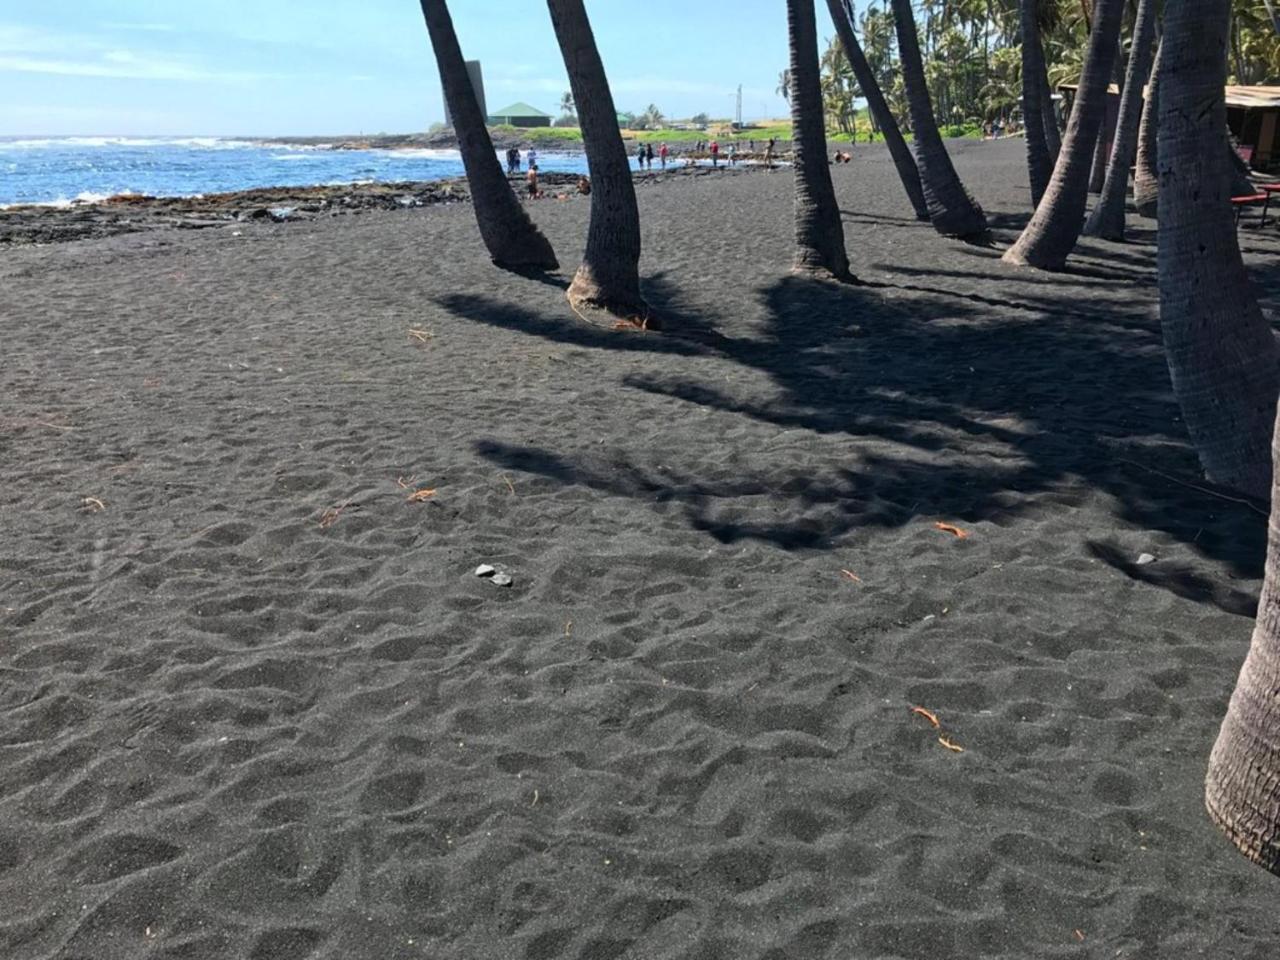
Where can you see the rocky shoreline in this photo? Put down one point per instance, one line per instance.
(446, 140)
(23, 225)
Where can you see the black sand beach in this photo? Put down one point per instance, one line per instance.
(256, 703)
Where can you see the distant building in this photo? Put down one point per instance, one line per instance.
(477, 84)
(520, 115)
(1253, 114)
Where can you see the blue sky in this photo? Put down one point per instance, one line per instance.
(264, 67)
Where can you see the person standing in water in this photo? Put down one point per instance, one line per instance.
(648, 156)
(662, 155)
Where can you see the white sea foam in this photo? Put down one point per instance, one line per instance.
(62, 203)
(421, 153)
(289, 157)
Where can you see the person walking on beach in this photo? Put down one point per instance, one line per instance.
(733, 154)
(768, 153)
(715, 153)
(532, 180)
(648, 156)
(662, 155)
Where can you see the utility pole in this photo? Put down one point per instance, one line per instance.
(739, 106)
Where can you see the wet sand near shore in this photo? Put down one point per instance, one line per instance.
(257, 703)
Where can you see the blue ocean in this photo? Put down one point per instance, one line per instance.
(63, 170)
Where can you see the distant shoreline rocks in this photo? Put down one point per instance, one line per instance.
(134, 213)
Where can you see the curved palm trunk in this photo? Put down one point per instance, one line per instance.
(1054, 229)
(1242, 788)
(511, 237)
(819, 233)
(610, 273)
(908, 173)
(1107, 219)
(1039, 159)
(1242, 785)
(1146, 181)
(1222, 356)
(953, 212)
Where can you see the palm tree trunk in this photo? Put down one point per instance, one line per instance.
(908, 173)
(1039, 160)
(1241, 184)
(610, 273)
(1103, 148)
(1098, 169)
(511, 237)
(819, 232)
(1146, 181)
(1223, 358)
(1107, 219)
(1052, 135)
(953, 212)
(1054, 229)
(1242, 787)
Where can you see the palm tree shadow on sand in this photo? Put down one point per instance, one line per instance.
(952, 408)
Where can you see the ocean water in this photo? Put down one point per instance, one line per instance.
(62, 170)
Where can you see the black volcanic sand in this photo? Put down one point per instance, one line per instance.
(257, 704)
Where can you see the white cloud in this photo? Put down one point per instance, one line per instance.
(24, 50)
(123, 65)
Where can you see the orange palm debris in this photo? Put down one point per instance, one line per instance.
(419, 495)
(928, 715)
(851, 575)
(330, 516)
(952, 529)
(631, 323)
(950, 744)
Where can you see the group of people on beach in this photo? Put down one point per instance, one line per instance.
(514, 159)
(645, 155)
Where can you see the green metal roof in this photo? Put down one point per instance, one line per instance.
(519, 110)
